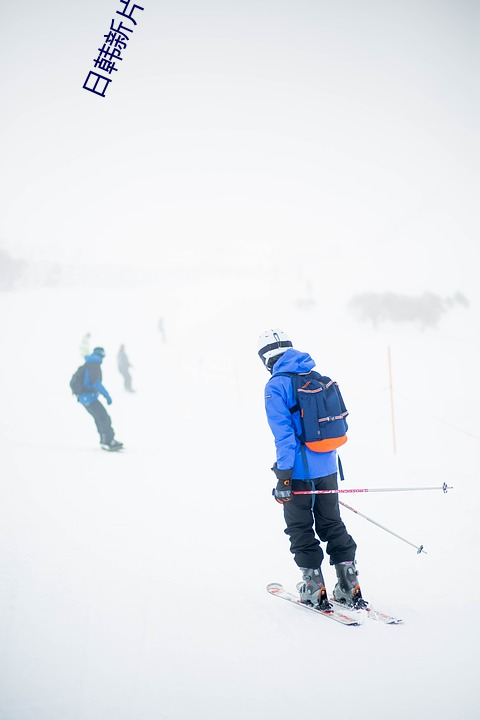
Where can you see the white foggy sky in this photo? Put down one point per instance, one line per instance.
(242, 130)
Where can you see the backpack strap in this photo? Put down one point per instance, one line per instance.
(293, 377)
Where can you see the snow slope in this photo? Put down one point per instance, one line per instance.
(133, 585)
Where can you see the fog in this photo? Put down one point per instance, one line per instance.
(233, 132)
(309, 165)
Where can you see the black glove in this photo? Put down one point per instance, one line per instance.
(283, 492)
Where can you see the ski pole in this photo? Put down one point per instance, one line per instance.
(443, 487)
(419, 548)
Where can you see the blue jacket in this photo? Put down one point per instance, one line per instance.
(93, 381)
(286, 428)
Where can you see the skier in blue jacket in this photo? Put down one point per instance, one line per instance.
(93, 387)
(309, 518)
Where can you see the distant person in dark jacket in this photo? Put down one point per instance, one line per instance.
(93, 387)
(124, 368)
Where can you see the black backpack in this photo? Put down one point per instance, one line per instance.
(78, 378)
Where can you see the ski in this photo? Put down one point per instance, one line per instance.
(371, 613)
(337, 614)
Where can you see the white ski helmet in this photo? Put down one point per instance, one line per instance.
(271, 344)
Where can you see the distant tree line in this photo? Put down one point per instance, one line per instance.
(426, 309)
(11, 270)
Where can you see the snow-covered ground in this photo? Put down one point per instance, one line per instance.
(132, 585)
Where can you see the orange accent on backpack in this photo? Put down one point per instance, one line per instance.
(326, 445)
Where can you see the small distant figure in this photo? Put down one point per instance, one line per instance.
(161, 329)
(124, 368)
(86, 384)
(85, 345)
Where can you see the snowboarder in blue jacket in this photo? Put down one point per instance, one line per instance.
(92, 388)
(309, 518)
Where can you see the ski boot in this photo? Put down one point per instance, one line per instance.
(312, 589)
(347, 590)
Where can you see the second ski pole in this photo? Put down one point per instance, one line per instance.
(418, 548)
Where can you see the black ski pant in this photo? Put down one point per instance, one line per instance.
(310, 517)
(102, 421)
